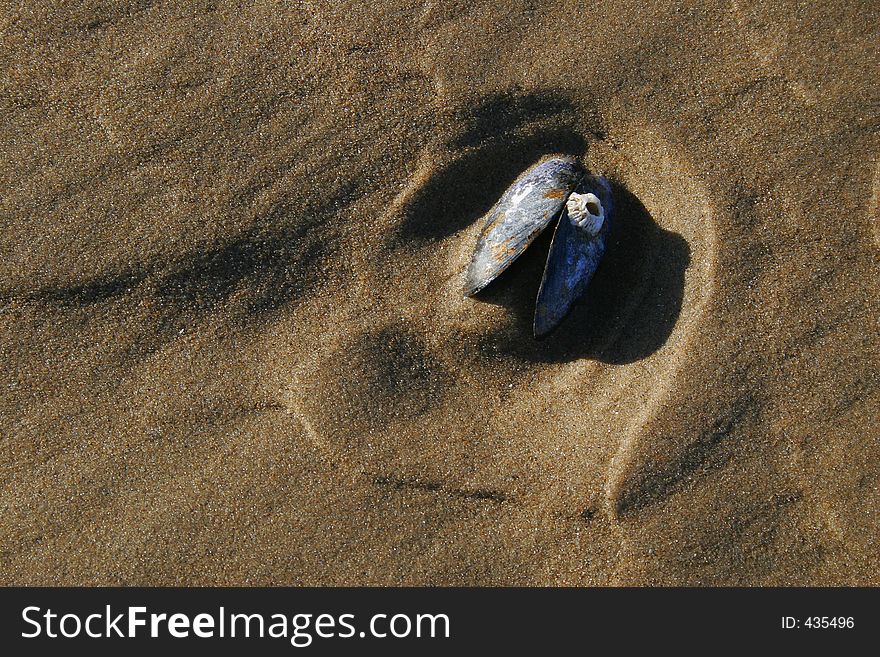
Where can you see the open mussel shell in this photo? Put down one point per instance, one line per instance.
(573, 259)
(526, 208)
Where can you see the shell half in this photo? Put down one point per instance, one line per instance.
(574, 256)
(526, 208)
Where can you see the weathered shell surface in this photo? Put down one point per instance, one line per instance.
(525, 209)
(572, 261)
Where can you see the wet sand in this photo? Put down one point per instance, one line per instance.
(234, 347)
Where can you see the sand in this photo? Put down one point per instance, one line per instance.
(233, 342)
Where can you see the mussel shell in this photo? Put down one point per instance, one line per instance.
(525, 209)
(573, 259)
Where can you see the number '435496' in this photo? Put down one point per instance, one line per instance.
(819, 622)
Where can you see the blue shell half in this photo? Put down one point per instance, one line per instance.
(573, 259)
(527, 207)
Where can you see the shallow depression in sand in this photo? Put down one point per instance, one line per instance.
(450, 389)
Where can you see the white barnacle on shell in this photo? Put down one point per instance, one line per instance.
(586, 212)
